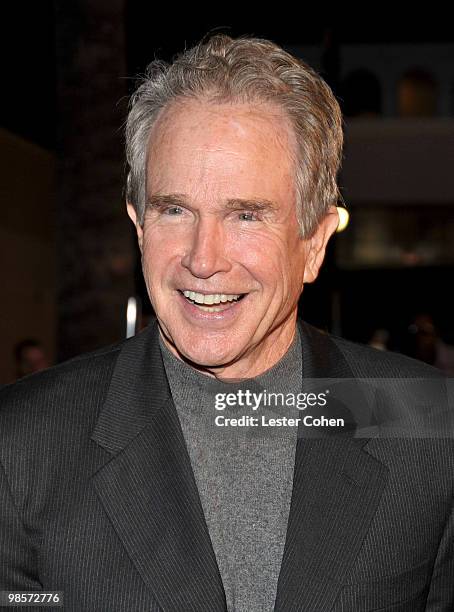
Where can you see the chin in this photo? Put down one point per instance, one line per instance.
(205, 357)
(207, 354)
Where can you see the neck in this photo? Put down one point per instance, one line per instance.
(257, 360)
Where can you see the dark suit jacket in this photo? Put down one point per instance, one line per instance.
(98, 498)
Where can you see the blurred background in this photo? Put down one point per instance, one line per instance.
(68, 257)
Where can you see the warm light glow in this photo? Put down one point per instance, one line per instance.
(343, 218)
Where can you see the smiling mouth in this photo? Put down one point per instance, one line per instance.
(212, 302)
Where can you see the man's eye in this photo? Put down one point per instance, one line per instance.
(248, 216)
(173, 210)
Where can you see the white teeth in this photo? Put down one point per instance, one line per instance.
(210, 309)
(211, 298)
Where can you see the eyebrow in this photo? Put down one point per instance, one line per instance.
(160, 201)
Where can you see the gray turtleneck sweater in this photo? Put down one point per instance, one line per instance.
(244, 475)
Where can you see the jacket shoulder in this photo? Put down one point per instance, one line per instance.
(61, 392)
(369, 361)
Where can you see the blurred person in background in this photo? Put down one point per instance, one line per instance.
(30, 357)
(380, 339)
(426, 344)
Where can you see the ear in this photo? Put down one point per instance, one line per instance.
(133, 216)
(317, 244)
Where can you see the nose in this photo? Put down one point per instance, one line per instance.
(206, 253)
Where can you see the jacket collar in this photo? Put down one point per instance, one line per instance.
(148, 489)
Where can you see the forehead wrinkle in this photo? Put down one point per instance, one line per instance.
(262, 114)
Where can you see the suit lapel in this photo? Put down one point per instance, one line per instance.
(336, 490)
(148, 488)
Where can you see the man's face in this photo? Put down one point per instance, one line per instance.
(221, 223)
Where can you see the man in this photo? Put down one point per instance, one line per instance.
(123, 487)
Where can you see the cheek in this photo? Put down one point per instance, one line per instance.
(160, 251)
(270, 258)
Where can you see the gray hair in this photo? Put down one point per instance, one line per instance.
(246, 70)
